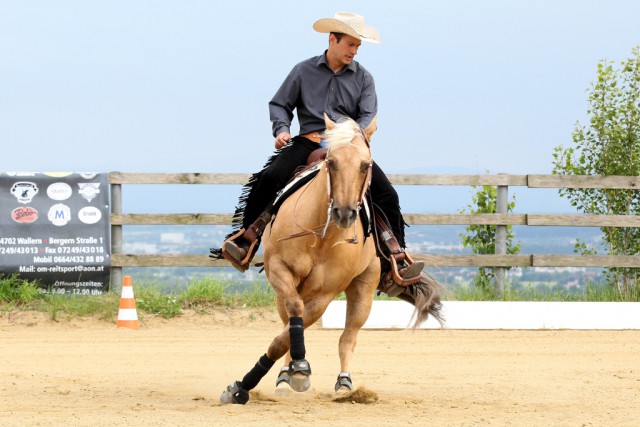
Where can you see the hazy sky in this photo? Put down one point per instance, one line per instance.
(183, 86)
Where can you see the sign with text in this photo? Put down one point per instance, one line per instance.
(54, 228)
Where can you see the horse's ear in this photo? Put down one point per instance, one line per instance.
(373, 126)
(328, 123)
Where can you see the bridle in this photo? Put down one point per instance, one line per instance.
(365, 186)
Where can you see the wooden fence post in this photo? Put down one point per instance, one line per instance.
(116, 235)
(502, 206)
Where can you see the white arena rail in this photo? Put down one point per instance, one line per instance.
(498, 315)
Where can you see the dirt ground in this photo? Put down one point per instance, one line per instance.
(85, 372)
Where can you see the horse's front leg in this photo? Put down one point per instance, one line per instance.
(292, 311)
(291, 339)
(298, 372)
(313, 310)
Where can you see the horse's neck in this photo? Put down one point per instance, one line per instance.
(312, 201)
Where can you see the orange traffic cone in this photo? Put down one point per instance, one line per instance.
(127, 313)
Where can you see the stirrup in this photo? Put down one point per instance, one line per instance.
(412, 273)
(240, 265)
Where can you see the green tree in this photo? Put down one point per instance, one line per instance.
(609, 145)
(482, 238)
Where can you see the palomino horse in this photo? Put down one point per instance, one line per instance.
(313, 252)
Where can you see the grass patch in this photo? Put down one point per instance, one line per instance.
(205, 292)
(590, 292)
(18, 292)
(151, 299)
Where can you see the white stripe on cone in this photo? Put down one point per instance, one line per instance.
(127, 292)
(127, 314)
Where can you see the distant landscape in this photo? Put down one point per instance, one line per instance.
(433, 240)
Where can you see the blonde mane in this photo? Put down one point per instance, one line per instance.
(343, 133)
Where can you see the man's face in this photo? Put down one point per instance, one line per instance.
(345, 50)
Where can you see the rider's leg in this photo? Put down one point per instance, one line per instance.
(262, 189)
(386, 198)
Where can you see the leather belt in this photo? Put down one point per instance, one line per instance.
(314, 136)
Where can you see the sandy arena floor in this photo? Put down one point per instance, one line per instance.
(172, 372)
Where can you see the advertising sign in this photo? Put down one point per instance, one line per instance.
(54, 228)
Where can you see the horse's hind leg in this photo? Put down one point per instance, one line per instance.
(359, 300)
(283, 382)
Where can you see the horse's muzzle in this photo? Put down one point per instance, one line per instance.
(344, 217)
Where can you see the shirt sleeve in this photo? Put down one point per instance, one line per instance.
(368, 106)
(284, 102)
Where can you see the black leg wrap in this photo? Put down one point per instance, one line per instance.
(296, 334)
(254, 376)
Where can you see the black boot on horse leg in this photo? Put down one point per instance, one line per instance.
(299, 368)
(240, 248)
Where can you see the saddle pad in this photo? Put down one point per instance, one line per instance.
(296, 182)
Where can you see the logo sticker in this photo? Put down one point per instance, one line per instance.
(89, 215)
(21, 173)
(59, 191)
(24, 191)
(59, 214)
(89, 190)
(24, 215)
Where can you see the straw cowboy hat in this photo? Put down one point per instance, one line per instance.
(350, 24)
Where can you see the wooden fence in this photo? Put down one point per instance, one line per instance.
(501, 220)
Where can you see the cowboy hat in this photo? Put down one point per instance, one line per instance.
(350, 24)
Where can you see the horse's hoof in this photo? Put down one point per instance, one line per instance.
(343, 384)
(234, 394)
(283, 388)
(300, 382)
(299, 371)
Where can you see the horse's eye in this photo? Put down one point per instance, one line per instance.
(364, 167)
(331, 164)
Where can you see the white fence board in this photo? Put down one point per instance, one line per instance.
(498, 315)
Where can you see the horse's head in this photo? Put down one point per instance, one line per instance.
(348, 168)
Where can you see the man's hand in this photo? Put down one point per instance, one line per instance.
(282, 139)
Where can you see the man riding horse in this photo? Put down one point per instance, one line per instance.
(335, 84)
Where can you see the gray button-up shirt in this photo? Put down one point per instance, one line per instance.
(313, 89)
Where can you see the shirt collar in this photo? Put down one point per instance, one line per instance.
(323, 60)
